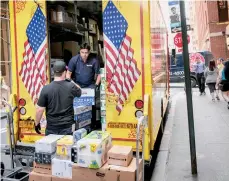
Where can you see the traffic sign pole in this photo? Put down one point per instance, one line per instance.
(188, 89)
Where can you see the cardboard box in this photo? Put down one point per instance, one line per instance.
(63, 147)
(82, 109)
(92, 26)
(87, 92)
(43, 158)
(42, 168)
(56, 49)
(61, 17)
(79, 134)
(83, 116)
(53, 15)
(82, 124)
(60, 179)
(33, 176)
(120, 173)
(47, 144)
(61, 168)
(72, 46)
(85, 174)
(92, 149)
(83, 101)
(120, 155)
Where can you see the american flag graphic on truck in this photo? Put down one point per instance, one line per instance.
(33, 67)
(121, 67)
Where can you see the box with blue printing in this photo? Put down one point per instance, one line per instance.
(83, 116)
(83, 124)
(83, 101)
(82, 109)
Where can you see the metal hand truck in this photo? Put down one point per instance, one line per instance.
(15, 173)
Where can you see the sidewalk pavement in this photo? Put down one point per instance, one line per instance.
(212, 141)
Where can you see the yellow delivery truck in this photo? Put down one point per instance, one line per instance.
(130, 39)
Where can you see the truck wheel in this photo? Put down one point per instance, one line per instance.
(2, 168)
(193, 82)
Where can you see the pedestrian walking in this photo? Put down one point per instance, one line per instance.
(220, 66)
(224, 82)
(199, 68)
(211, 75)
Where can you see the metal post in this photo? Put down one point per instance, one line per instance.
(188, 89)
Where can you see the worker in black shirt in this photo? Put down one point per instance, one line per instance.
(57, 100)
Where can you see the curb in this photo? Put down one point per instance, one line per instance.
(159, 171)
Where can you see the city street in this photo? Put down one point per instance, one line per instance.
(212, 140)
(82, 65)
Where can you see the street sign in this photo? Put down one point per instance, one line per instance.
(178, 40)
(178, 29)
(174, 9)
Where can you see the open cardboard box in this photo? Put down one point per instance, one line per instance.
(108, 173)
(33, 176)
(86, 174)
(120, 155)
(119, 173)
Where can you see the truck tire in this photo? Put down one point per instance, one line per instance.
(193, 82)
(2, 168)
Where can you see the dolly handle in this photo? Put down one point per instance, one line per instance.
(140, 123)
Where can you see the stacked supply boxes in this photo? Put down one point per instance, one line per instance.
(77, 135)
(45, 149)
(83, 108)
(103, 98)
(63, 147)
(93, 149)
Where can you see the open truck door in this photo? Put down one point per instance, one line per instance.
(28, 30)
(136, 71)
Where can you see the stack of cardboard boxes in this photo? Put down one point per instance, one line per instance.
(94, 159)
(61, 14)
(120, 166)
(45, 150)
(57, 48)
(83, 108)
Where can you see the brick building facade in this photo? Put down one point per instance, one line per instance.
(210, 34)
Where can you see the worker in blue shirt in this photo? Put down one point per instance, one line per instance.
(199, 68)
(85, 70)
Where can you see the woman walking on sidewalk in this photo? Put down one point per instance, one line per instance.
(224, 83)
(211, 75)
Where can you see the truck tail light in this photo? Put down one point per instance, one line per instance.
(139, 104)
(22, 102)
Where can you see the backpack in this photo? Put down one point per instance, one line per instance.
(223, 75)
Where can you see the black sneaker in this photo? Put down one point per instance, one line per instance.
(217, 97)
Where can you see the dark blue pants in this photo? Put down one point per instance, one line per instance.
(65, 131)
(201, 82)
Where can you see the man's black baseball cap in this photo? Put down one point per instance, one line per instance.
(59, 66)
